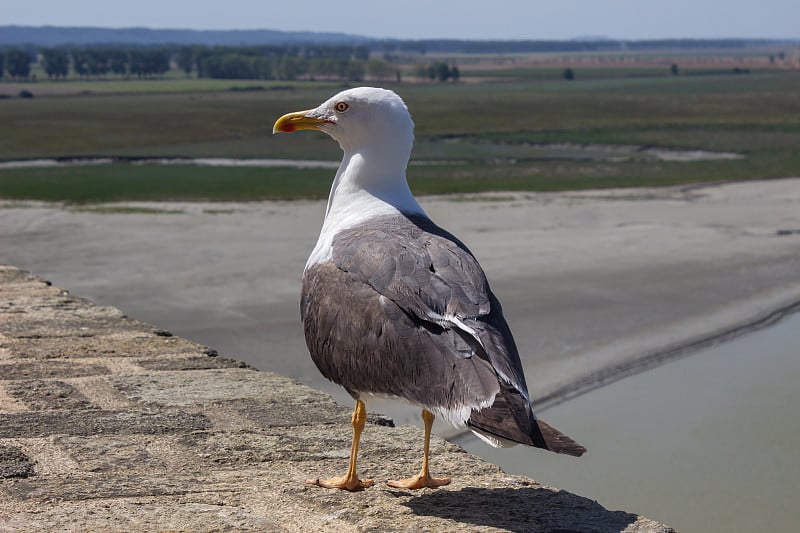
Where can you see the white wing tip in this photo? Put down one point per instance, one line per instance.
(492, 440)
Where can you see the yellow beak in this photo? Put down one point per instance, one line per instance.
(297, 121)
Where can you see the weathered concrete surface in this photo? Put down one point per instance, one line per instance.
(110, 424)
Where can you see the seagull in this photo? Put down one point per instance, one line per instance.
(393, 306)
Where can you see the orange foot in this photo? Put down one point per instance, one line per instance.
(353, 484)
(419, 482)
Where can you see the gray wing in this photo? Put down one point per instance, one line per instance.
(364, 342)
(431, 275)
(427, 274)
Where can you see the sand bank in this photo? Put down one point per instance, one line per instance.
(588, 280)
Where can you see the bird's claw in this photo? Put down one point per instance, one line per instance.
(349, 483)
(419, 482)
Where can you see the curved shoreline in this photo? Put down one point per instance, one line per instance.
(658, 357)
(653, 357)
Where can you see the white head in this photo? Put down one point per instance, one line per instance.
(360, 119)
(376, 132)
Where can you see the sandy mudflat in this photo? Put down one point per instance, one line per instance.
(587, 279)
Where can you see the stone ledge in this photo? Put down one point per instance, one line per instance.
(108, 423)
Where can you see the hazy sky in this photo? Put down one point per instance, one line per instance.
(463, 19)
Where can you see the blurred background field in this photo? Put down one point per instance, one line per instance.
(508, 122)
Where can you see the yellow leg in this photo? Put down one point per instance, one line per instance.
(423, 479)
(350, 480)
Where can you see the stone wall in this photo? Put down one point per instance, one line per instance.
(111, 424)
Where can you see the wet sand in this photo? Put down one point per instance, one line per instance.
(588, 280)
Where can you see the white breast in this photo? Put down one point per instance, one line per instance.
(357, 209)
(354, 200)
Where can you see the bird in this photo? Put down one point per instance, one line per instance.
(394, 306)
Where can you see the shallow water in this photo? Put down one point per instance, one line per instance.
(707, 443)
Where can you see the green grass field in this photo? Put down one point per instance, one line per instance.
(481, 136)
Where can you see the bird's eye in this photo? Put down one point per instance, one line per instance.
(341, 107)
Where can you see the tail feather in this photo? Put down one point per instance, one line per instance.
(557, 441)
(510, 418)
(542, 435)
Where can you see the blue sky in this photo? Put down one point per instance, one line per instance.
(414, 19)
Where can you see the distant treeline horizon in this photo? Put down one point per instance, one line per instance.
(53, 36)
(351, 63)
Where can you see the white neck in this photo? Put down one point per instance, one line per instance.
(365, 186)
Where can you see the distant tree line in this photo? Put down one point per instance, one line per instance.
(253, 62)
(437, 70)
(99, 62)
(280, 62)
(86, 62)
(16, 62)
